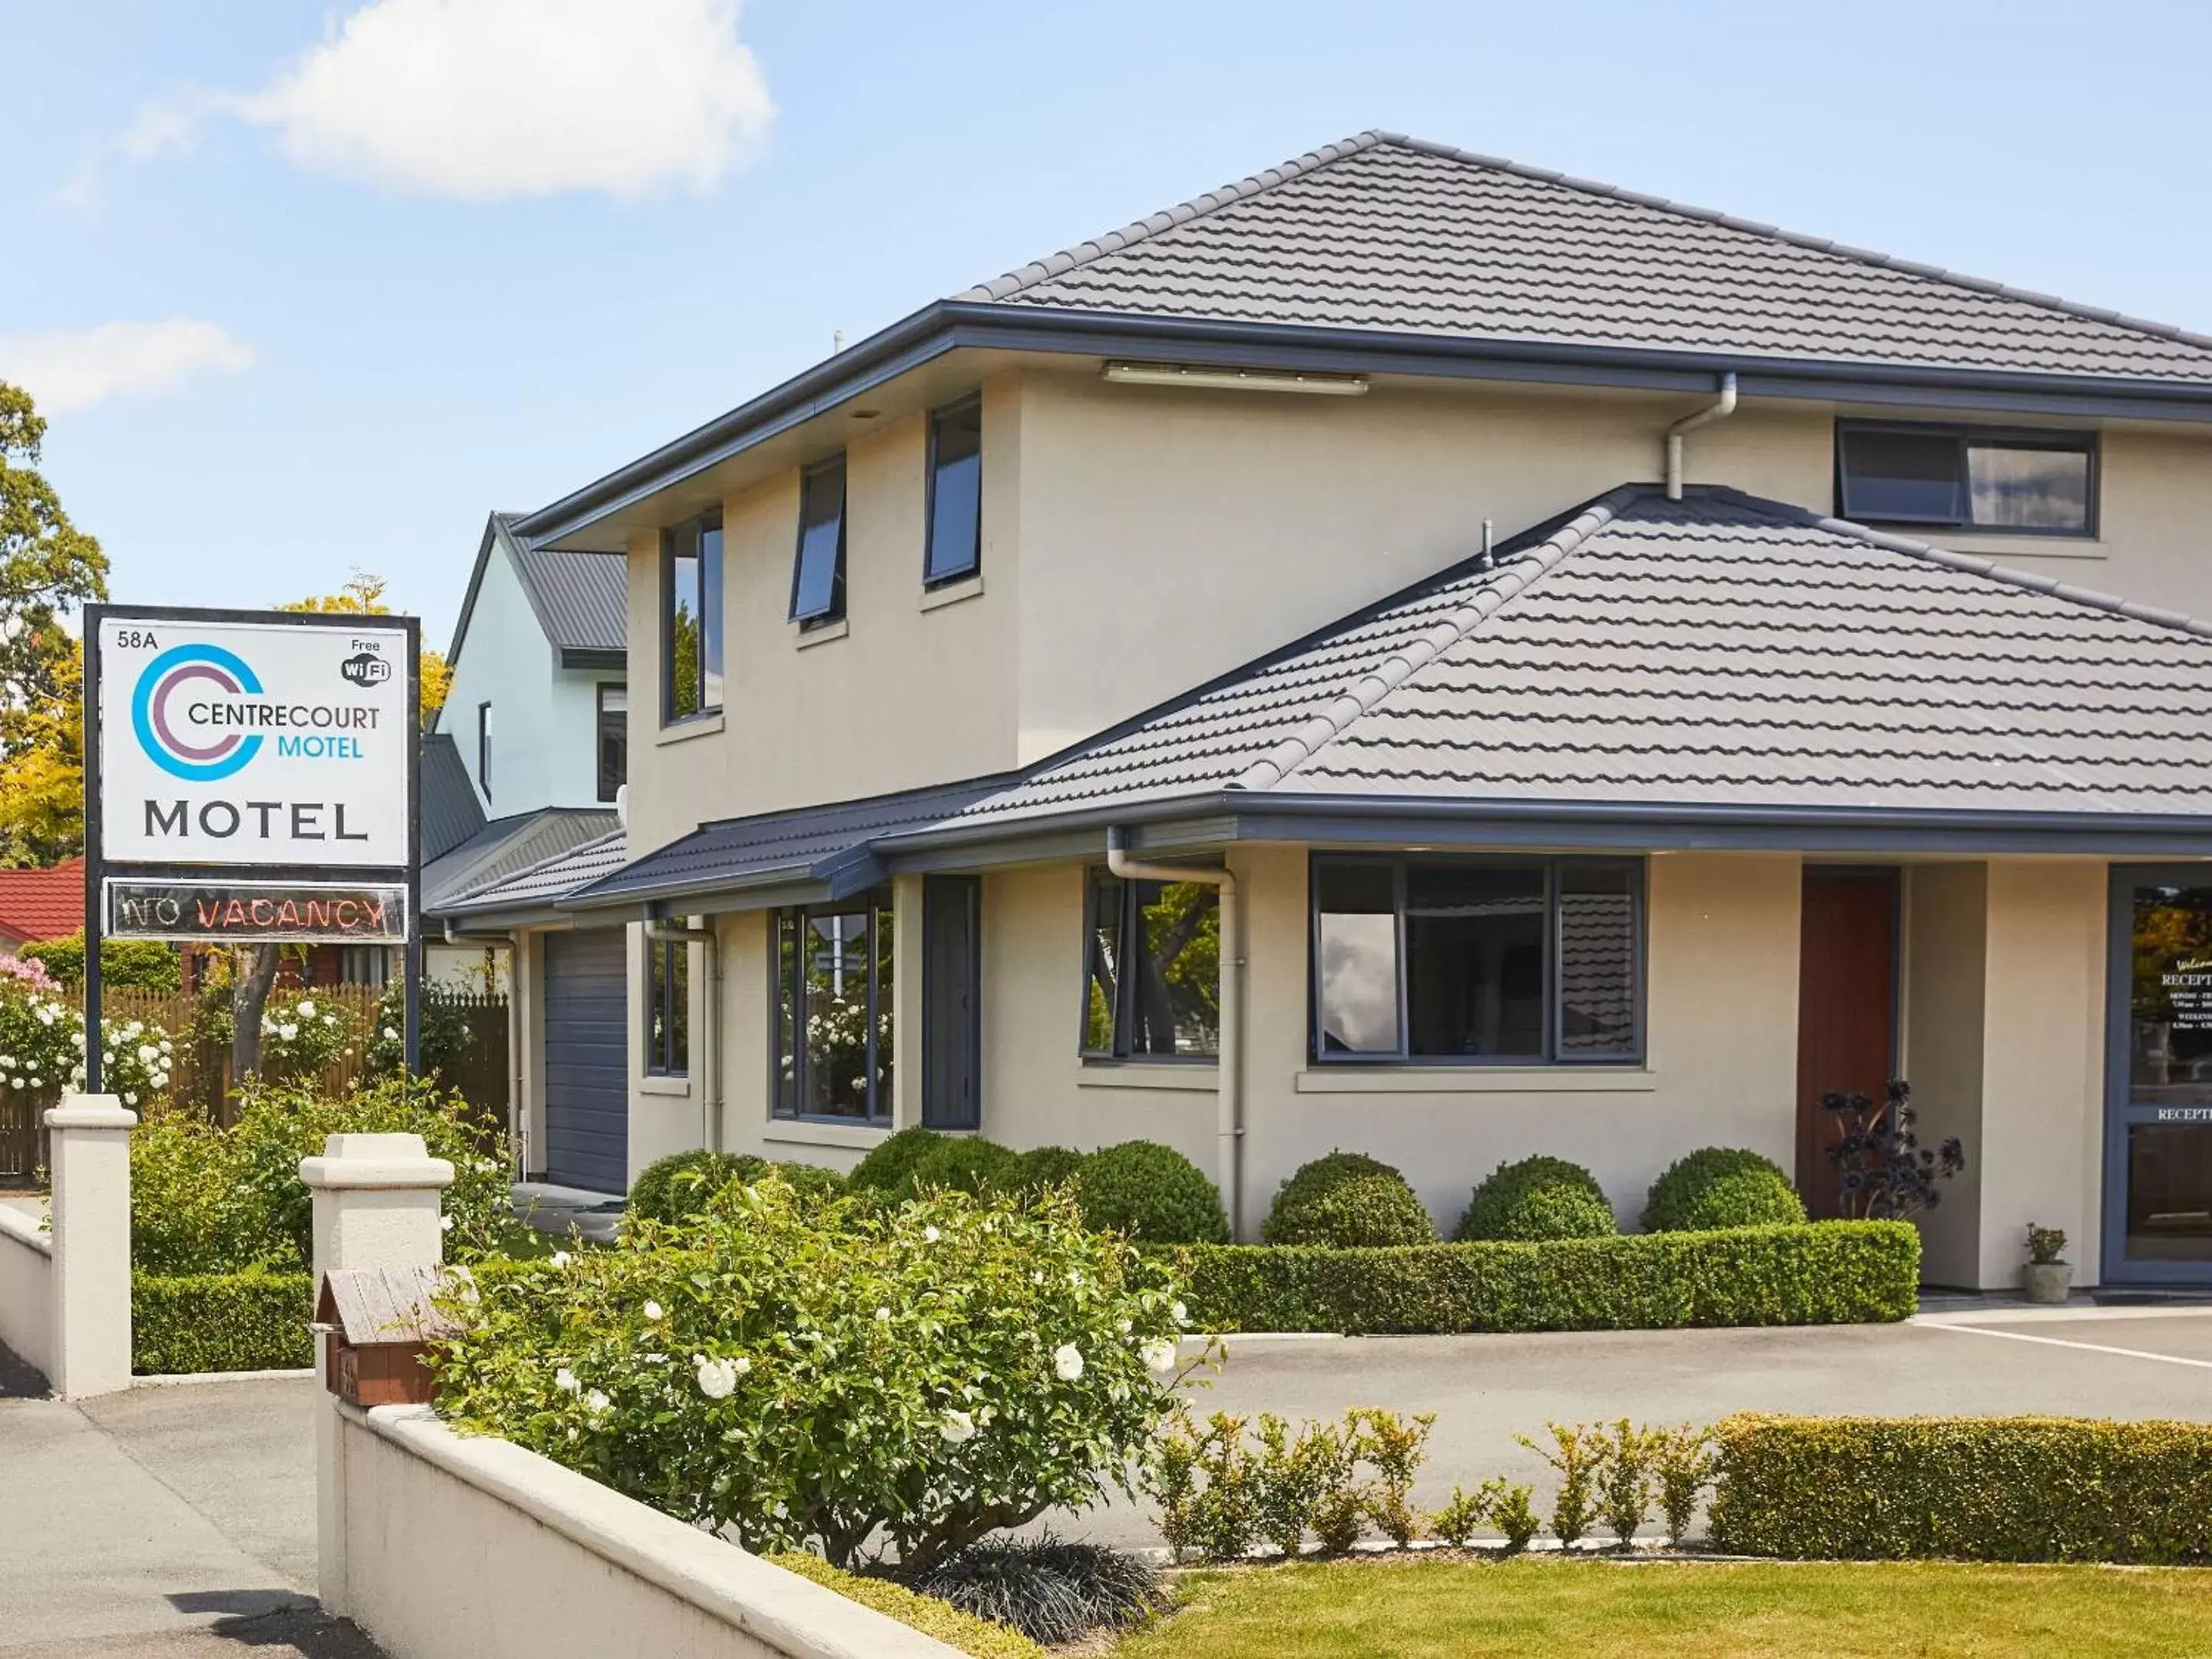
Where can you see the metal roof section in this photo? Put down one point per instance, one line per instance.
(1719, 653)
(1394, 234)
(581, 600)
(505, 846)
(825, 847)
(535, 890)
(451, 812)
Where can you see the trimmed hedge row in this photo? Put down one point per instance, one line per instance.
(1828, 1272)
(1969, 1488)
(247, 1322)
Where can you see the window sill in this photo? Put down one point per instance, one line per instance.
(803, 636)
(659, 1083)
(699, 726)
(1352, 1079)
(968, 587)
(1123, 1074)
(799, 1132)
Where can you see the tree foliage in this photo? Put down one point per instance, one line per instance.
(363, 595)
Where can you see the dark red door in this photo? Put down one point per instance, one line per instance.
(1846, 1009)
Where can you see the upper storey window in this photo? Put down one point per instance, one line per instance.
(956, 492)
(691, 620)
(2025, 482)
(818, 576)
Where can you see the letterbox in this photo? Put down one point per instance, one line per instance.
(380, 1321)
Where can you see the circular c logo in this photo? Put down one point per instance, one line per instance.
(178, 669)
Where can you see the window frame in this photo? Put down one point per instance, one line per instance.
(975, 566)
(1635, 1055)
(710, 594)
(483, 748)
(603, 790)
(881, 906)
(661, 1058)
(834, 611)
(1127, 924)
(1966, 435)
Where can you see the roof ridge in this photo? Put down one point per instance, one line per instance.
(2049, 587)
(1113, 241)
(1513, 579)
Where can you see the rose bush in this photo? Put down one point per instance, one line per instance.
(834, 1372)
(302, 1032)
(42, 1047)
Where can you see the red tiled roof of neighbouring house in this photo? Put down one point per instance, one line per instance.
(37, 904)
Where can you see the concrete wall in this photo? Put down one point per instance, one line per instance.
(544, 747)
(457, 1546)
(27, 1290)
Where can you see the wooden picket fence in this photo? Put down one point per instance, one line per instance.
(200, 1078)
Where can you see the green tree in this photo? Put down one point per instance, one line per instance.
(363, 596)
(48, 567)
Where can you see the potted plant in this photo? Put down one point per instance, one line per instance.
(2046, 1277)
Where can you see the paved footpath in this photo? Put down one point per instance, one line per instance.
(167, 1522)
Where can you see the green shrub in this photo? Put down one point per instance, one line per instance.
(1347, 1200)
(978, 1638)
(1217, 1490)
(1048, 1588)
(670, 1189)
(1968, 1488)
(918, 1374)
(888, 1165)
(246, 1321)
(811, 1180)
(143, 962)
(964, 1164)
(446, 1036)
(1721, 1187)
(1824, 1273)
(1538, 1197)
(1049, 1166)
(1152, 1193)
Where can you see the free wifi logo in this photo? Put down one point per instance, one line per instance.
(170, 709)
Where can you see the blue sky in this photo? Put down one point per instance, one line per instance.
(384, 267)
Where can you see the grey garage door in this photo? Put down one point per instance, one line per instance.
(587, 1060)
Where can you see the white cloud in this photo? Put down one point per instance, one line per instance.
(71, 370)
(477, 99)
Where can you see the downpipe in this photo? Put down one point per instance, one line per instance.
(710, 1092)
(1717, 411)
(1229, 1121)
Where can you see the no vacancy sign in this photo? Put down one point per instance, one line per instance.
(284, 744)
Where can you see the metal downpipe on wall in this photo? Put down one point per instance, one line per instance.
(1717, 411)
(710, 1092)
(1229, 1122)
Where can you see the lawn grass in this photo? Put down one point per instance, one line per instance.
(1471, 1609)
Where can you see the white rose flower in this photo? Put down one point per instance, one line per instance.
(565, 1380)
(596, 1403)
(391, 1035)
(445, 1223)
(1159, 1354)
(560, 1258)
(1180, 1314)
(743, 1364)
(147, 1053)
(307, 1006)
(1067, 1362)
(883, 1316)
(330, 1019)
(955, 1428)
(718, 1378)
(652, 1310)
(288, 1032)
(929, 1235)
(130, 1100)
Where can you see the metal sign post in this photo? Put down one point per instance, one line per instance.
(251, 777)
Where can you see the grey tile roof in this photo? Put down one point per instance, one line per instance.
(582, 599)
(451, 812)
(1392, 234)
(810, 844)
(1720, 650)
(504, 846)
(537, 886)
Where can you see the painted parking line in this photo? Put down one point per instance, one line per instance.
(2061, 1342)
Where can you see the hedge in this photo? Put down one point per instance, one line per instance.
(1828, 1272)
(979, 1638)
(247, 1322)
(1970, 1488)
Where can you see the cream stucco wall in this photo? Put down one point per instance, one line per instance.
(1946, 915)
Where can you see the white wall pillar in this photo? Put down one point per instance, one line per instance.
(90, 1159)
(375, 1205)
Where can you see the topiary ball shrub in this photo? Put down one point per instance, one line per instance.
(1538, 1197)
(965, 1163)
(1050, 1590)
(1349, 1200)
(1152, 1193)
(676, 1188)
(811, 1180)
(1722, 1187)
(886, 1167)
(1049, 1166)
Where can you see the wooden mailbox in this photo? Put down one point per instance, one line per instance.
(380, 1321)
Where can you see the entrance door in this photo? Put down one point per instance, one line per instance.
(1846, 1010)
(2158, 1113)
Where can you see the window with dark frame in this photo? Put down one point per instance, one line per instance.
(832, 1031)
(611, 739)
(1151, 981)
(1437, 961)
(667, 1007)
(955, 493)
(818, 574)
(2027, 483)
(691, 620)
(483, 749)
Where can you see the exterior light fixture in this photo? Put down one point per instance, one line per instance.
(1236, 379)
